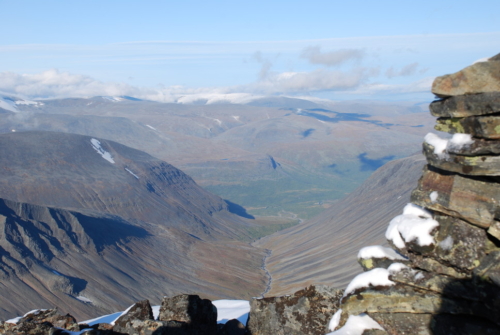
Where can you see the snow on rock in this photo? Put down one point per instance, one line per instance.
(16, 320)
(433, 196)
(97, 146)
(334, 322)
(375, 277)
(447, 243)
(414, 225)
(396, 267)
(377, 251)
(438, 143)
(232, 309)
(459, 141)
(442, 146)
(356, 325)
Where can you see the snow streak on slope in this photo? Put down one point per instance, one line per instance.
(97, 146)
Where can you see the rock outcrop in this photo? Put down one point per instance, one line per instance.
(305, 312)
(449, 281)
(180, 315)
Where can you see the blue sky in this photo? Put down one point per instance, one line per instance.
(386, 50)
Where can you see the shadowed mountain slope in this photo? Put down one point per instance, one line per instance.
(323, 249)
(91, 226)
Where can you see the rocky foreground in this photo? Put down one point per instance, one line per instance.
(306, 312)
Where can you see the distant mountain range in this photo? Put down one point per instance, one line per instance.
(274, 156)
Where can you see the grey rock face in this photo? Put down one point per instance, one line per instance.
(308, 311)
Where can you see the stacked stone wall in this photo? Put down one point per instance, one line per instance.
(446, 277)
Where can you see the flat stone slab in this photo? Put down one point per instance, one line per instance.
(471, 199)
(478, 126)
(467, 105)
(468, 165)
(480, 77)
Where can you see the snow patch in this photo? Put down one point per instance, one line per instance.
(97, 146)
(447, 243)
(377, 251)
(57, 273)
(419, 275)
(459, 141)
(232, 309)
(375, 277)
(415, 224)
(156, 311)
(481, 60)
(114, 99)
(356, 325)
(438, 143)
(150, 127)
(237, 118)
(433, 196)
(334, 322)
(109, 318)
(442, 146)
(16, 320)
(133, 174)
(84, 299)
(27, 102)
(396, 267)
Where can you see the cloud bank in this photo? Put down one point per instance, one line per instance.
(333, 58)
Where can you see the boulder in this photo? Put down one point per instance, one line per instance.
(487, 127)
(41, 322)
(480, 77)
(140, 311)
(475, 200)
(232, 327)
(466, 105)
(199, 315)
(308, 311)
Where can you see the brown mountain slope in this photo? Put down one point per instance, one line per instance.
(93, 233)
(67, 171)
(323, 250)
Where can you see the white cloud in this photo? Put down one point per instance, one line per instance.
(56, 84)
(420, 86)
(303, 82)
(333, 58)
(407, 70)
